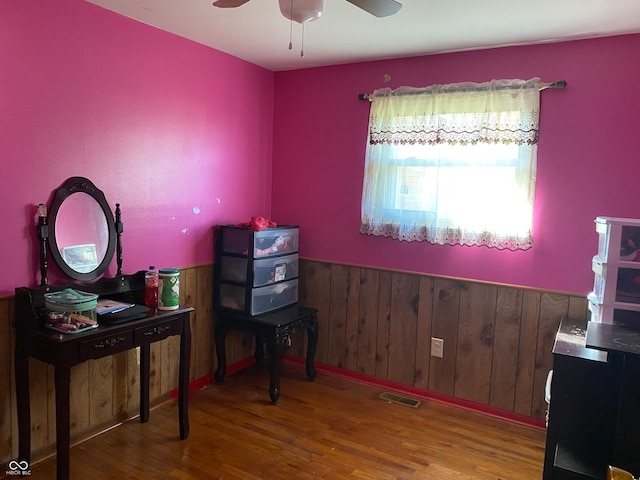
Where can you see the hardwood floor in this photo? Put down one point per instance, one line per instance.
(333, 428)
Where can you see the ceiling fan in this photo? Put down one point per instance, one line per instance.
(303, 11)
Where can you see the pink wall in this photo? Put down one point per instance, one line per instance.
(587, 158)
(162, 125)
(165, 127)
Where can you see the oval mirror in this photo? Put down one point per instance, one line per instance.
(82, 233)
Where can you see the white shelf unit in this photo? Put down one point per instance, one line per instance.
(616, 269)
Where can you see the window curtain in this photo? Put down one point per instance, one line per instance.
(453, 164)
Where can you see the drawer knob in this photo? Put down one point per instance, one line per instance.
(109, 342)
(156, 330)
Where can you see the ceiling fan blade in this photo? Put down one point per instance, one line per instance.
(378, 8)
(229, 3)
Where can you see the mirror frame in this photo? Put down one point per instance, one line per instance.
(69, 187)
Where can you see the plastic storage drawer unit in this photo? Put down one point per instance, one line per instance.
(256, 271)
(615, 297)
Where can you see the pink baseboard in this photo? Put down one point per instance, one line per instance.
(202, 382)
(387, 385)
(426, 395)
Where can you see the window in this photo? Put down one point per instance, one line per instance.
(453, 164)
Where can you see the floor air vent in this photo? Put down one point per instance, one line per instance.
(401, 399)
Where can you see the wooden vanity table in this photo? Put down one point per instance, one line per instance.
(66, 350)
(82, 236)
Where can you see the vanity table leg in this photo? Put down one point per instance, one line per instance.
(312, 343)
(21, 368)
(62, 379)
(183, 378)
(145, 367)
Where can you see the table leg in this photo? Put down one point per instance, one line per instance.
(312, 343)
(21, 369)
(183, 395)
(145, 368)
(259, 352)
(219, 336)
(62, 379)
(279, 346)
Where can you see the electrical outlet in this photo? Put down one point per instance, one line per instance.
(437, 347)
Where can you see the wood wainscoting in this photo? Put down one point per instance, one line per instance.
(497, 339)
(373, 322)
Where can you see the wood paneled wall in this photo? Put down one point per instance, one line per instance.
(497, 346)
(497, 339)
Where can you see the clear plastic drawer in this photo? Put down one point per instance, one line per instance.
(268, 242)
(259, 300)
(264, 271)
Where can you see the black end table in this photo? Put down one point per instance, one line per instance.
(274, 328)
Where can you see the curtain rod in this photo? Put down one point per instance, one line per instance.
(543, 86)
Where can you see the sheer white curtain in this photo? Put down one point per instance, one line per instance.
(453, 164)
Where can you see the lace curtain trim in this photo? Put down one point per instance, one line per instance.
(400, 136)
(447, 236)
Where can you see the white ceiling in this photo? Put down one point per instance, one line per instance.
(258, 33)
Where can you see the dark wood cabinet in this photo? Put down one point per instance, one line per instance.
(594, 409)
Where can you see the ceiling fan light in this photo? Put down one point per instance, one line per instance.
(301, 11)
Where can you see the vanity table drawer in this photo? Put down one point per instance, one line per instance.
(157, 331)
(106, 345)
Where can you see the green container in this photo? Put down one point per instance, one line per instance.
(168, 289)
